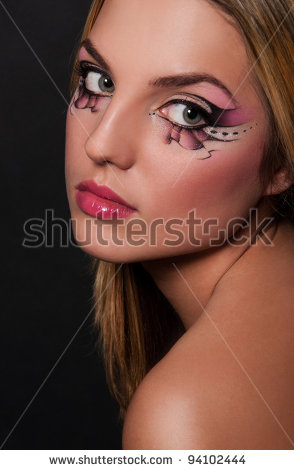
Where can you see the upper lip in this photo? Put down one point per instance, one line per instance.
(102, 191)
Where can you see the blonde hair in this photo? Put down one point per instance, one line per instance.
(136, 324)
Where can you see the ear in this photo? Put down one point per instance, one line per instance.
(281, 181)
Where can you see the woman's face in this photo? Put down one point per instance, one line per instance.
(167, 117)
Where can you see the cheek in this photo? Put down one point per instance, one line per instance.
(76, 161)
(225, 185)
(73, 143)
(80, 124)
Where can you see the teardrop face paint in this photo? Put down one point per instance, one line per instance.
(204, 140)
(212, 124)
(93, 85)
(201, 137)
(82, 99)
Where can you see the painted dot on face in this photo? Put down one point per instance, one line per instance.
(197, 139)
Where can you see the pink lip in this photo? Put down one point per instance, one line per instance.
(101, 202)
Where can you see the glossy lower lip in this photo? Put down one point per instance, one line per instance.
(101, 208)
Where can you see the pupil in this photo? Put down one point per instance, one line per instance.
(107, 83)
(192, 114)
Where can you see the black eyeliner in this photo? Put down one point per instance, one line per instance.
(182, 126)
(189, 104)
(81, 69)
(84, 67)
(211, 118)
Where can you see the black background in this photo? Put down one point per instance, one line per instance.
(46, 292)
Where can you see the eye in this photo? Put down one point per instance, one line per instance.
(94, 80)
(97, 82)
(184, 114)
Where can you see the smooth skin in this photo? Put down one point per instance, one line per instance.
(228, 382)
(122, 146)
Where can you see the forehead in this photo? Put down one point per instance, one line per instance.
(168, 37)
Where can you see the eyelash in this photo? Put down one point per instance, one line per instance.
(81, 70)
(209, 118)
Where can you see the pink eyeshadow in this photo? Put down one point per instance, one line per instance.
(83, 55)
(235, 117)
(215, 95)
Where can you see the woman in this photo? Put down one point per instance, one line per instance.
(179, 172)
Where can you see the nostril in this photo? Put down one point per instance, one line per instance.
(102, 161)
(112, 142)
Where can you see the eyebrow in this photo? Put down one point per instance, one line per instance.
(88, 45)
(189, 79)
(178, 80)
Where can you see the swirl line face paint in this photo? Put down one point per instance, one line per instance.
(93, 84)
(173, 125)
(200, 139)
(82, 99)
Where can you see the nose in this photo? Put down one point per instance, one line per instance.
(114, 139)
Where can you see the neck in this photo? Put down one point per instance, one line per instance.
(188, 281)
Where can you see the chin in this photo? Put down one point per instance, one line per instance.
(101, 242)
(135, 254)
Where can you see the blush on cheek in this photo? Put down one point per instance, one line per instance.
(75, 137)
(222, 186)
(234, 173)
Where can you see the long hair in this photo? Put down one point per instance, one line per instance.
(136, 324)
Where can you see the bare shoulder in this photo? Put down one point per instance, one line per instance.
(228, 382)
(206, 394)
